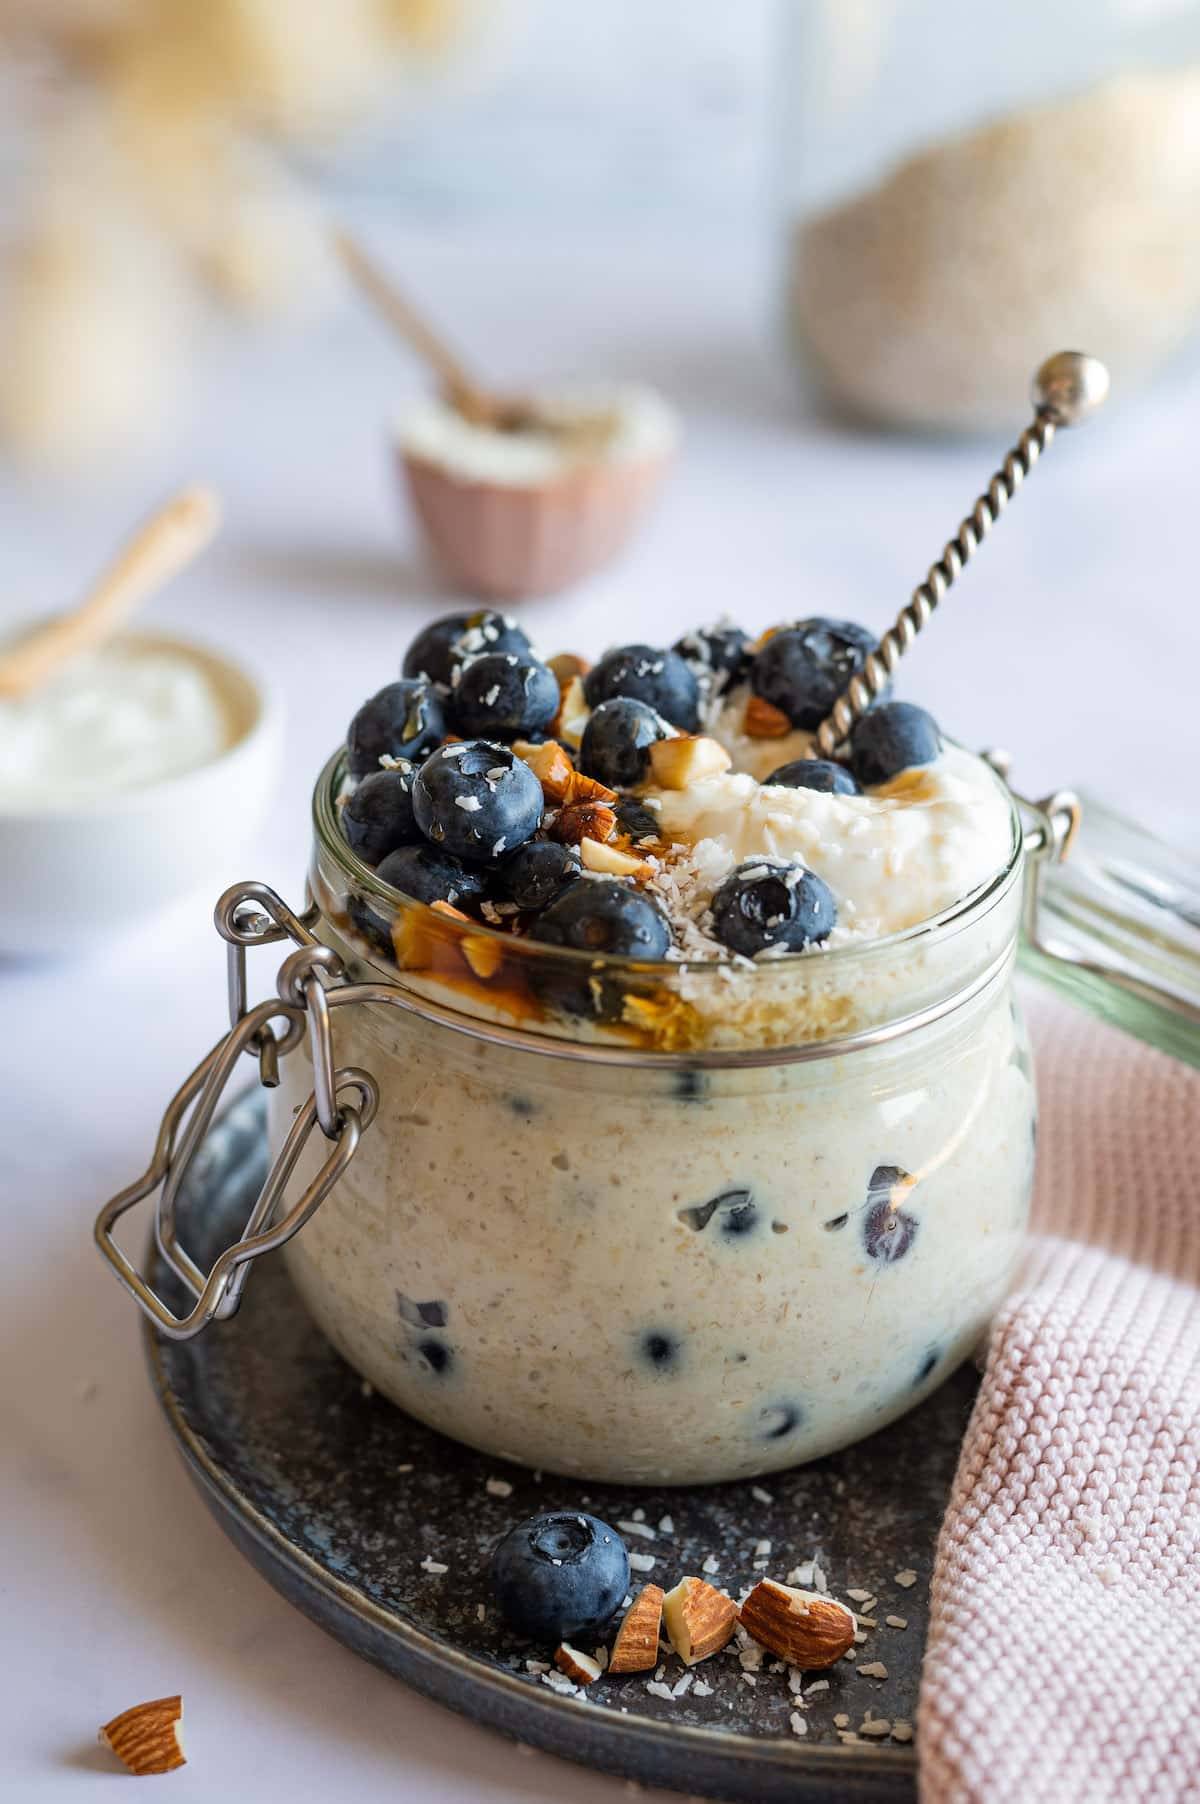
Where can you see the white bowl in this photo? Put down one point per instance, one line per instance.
(74, 875)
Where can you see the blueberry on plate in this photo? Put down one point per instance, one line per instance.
(536, 873)
(404, 720)
(428, 874)
(768, 902)
(431, 653)
(802, 669)
(815, 773)
(603, 915)
(634, 818)
(559, 1575)
(662, 679)
(477, 799)
(502, 695)
(378, 817)
(892, 737)
(720, 655)
(615, 748)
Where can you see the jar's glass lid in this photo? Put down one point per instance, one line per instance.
(1116, 928)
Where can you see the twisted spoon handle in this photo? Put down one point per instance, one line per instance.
(1067, 389)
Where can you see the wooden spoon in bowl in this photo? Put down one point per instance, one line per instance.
(468, 396)
(158, 550)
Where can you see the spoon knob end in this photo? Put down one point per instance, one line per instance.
(1069, 387)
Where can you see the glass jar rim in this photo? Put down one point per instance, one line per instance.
(935, 930)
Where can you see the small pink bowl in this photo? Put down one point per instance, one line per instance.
(506, 541)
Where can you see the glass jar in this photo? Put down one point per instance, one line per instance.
(961, 192)
(710, 1237)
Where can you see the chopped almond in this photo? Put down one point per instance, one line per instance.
(578, 1666)
(678, 763)
(805, 1628)
(572, 714)
(447, 908)
(580, 821)
(699, 1618)
(483, 955)
(149, 1737)
(611, 862)
(587, 789)
(551, 766)
(636, 1646)
(762, 720)
(565, 665)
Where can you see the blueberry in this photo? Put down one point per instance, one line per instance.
(779, 1419)
(615, 748)
(404, 720)
(374, 928)
(436, 1355)
(477, 800)
(890, 738)
(502, 695)
(888, 1231)
(603, 916)
(559, 1575)
(378, 817)
(659, 1349)
(660, 678)
(690, 1086)
(734, 1209)
(720, 655)
(537, 873)
(634, 818)
(771, 903)
(815, 773)
(599, 915)
(802, 669)
(421, 1315)
(440, 649)
(428, 874)
(485, 632)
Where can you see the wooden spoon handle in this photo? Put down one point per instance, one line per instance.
(466, 394)
(158, 550)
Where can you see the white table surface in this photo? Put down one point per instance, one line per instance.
(1072, 644)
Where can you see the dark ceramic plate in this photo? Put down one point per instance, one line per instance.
(347, 1506)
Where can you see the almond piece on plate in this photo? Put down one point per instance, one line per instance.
(572, 714)
(582, 820)
(636, 1646)
(550, 765)
(699, 1618)
(578, 1666)
(763, 720)
(148, 1738)
(678, 763)
(597, 857)
(805, 1628)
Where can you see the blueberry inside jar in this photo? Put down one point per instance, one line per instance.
(694, 1062)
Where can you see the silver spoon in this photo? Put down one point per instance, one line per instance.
(1067, 389)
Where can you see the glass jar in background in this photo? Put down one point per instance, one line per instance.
(965, 188)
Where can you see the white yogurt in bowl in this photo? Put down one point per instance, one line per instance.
(126, 780)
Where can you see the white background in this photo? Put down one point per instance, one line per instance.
(1073, 643)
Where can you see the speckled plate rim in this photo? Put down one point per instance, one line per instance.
(711, 1762)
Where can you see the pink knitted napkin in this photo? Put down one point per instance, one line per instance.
(1064, 1647)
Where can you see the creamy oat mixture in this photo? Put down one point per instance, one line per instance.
(634, 1272)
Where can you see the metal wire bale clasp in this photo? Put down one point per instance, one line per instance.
(343, 1104)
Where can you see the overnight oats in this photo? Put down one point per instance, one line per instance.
(704, 1140)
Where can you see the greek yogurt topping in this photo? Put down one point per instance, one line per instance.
(131, 714)
(626, 424)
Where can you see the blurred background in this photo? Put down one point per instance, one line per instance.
(835, 235)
